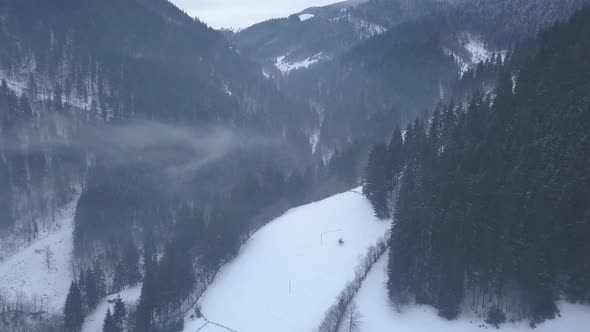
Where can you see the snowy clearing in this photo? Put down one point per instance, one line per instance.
(27, 271)
(477, 50)
(378, 314)
(94, 321)
(289, 273)
(305, 17)
(285, 66)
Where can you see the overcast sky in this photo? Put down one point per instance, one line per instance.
(243, 13)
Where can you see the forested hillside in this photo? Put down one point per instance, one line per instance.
(174, 140)
(491, 214)
(402, 72)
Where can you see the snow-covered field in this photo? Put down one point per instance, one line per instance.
(94, 321)
(289, 273)
(378, 315)
(28, 273)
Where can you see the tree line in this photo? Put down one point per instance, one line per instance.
(490, 211)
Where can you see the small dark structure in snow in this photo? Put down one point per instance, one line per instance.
(198, 311)
(340, 242)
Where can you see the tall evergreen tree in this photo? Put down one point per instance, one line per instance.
(73, 310)
(99, 277)
(91, 289)
(377, 181)
(120, 314)
(109, 323)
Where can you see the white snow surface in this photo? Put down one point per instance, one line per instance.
(305, 17)
(26, 271)
(379, 315)
(314, 139)
(477, 50)
(286, 66)
(289, 272)
(227, 89)
(95, 320)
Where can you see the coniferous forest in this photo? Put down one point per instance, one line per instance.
(490, 196)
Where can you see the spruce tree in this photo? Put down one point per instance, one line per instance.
(120, 314)
(119, 278)
(109, 322)
(101, 287)
(377, 178)
(73, 310)
(91, 289)
(133, 274)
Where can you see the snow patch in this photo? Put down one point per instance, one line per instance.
(478, 51)
(265, 74)
(314, 139)
(285, 66)
(227, 90)
(305, 17)
(474, 52)
(290, 271)
(27, 271)
(514, 81)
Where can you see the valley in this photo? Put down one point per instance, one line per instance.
(360, 166)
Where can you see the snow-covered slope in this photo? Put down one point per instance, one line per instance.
(289, 273)
(378, 314)
(471, 52)
(94, 321)
(27, 272)
(285, 66)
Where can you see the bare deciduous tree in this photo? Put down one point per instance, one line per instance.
(49, 258)
(353, 318)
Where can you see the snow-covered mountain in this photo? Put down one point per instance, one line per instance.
(316, 33)
(362, 65)
(335, 29)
